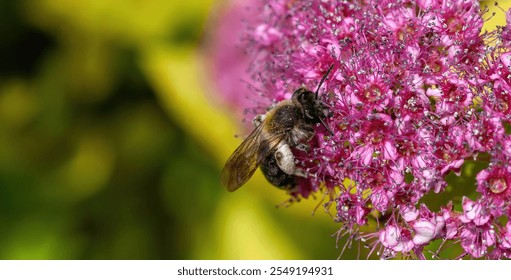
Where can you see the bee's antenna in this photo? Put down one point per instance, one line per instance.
(317, 90)
(326, 126)
(323, 79)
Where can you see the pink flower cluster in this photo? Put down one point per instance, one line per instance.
(417, 90)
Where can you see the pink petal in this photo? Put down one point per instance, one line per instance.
(389, 237)
(410, 213)
(389, 151)
(471, 209)
(366, 155)
(424, 232)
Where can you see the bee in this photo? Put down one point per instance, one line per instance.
(288, 124)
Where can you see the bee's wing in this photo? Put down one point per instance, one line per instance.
(244, 161)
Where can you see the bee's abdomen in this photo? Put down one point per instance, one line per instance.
(274, 174)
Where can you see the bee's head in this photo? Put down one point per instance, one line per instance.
(313, 109)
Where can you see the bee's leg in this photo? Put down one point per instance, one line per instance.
(258, 120)
(301, 133)
(271, 106)
(300, 173)
(286, 161)
(303, 147)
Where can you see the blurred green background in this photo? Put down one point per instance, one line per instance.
(112, 141)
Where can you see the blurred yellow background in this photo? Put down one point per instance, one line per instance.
(112, 141)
